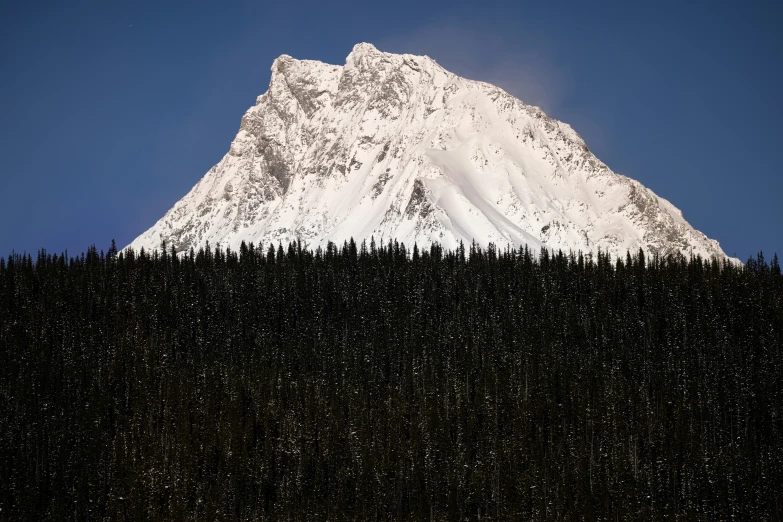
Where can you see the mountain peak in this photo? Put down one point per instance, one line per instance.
(363, 55)
(395, 147)
(363, 48)
(282, 60)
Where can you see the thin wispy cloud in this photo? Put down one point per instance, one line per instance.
(476, 53)
(525, 67)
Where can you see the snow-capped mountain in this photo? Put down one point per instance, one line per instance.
(396, 147)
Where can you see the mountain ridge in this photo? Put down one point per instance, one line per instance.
(394, 146)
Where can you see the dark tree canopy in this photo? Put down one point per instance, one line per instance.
(369, 382)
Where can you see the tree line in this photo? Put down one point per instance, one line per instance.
(375, 382)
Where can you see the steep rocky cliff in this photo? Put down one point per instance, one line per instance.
(395, 147)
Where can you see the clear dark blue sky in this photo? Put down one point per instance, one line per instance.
(112, 111)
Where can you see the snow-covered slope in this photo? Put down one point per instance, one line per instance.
(396, 147)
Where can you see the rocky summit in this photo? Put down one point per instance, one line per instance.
(394, 147)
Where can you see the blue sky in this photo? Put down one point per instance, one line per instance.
(112, 111)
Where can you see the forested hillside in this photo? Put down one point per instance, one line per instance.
(375, 383)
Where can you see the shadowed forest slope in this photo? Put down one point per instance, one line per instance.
(368, 383)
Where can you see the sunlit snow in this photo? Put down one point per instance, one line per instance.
(395, 147)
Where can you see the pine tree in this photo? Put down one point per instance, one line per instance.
(112, 253)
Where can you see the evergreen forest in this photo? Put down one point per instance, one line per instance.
(378, 382)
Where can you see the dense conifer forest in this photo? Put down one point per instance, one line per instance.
(377, 383)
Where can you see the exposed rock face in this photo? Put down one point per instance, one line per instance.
(396, 147)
